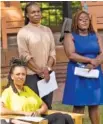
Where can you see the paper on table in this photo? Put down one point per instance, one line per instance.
(28, 118)
(84, 72)
(46, 87)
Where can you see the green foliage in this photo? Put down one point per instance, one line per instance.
(76, 5)
(45, 4)
(23, 4)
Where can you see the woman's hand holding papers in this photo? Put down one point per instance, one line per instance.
(46, 74)
(94, 62)
(90, 66)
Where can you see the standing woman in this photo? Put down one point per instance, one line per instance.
(84, 48)
(36, 43)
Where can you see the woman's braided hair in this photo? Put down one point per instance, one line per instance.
(15, 62)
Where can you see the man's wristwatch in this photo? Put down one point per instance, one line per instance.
(49, 69)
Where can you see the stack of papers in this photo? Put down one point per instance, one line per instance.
(28, 118)
(84, 72)
(46, 87)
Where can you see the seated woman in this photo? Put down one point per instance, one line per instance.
(20, 99)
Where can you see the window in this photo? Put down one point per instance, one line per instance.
(52, 13)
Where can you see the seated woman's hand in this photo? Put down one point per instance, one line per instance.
(36, 113)
(27, 113)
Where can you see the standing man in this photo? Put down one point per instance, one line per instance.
(36, 44)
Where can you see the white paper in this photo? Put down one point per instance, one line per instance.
(28, 118)
(46, 87)
(84, 72)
